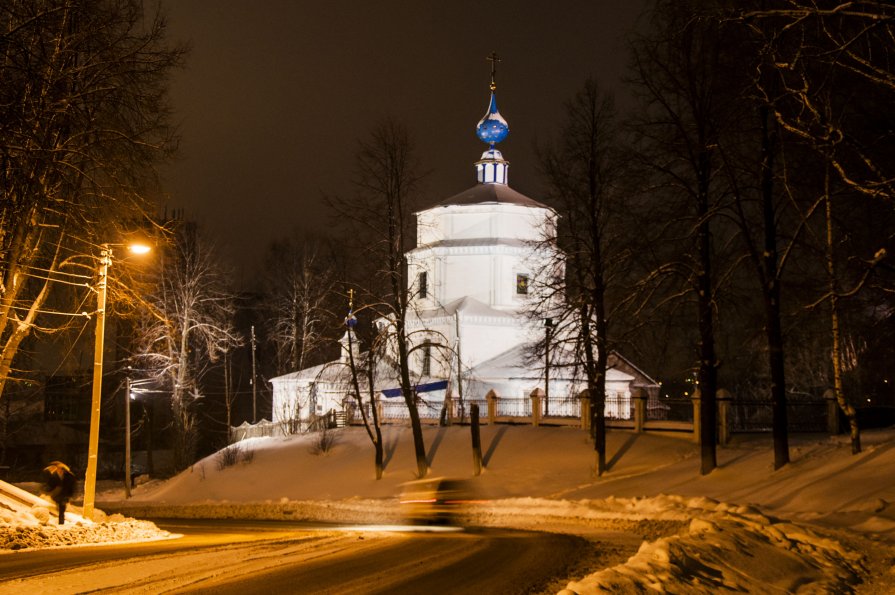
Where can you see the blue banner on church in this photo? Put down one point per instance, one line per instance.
(420, 388)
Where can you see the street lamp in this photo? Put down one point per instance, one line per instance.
(105, 261)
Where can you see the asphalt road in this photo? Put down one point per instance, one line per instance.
(247, 557)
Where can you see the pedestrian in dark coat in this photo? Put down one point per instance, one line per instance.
(59, 483)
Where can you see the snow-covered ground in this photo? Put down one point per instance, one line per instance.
(824, 523)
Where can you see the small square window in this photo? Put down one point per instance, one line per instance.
(521, 284)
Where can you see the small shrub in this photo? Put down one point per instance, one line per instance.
(324, 440)
(228, 457)
(248, 455)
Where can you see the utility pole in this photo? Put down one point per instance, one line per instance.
(459, 361)
(105, 262)
(548, 326)
(254, 384)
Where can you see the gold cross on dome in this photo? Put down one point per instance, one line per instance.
(494, 60)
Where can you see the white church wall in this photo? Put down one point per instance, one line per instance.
(286, 400)
(303, 399)
(465, 275)
(521, 223)
(486, 274)
(481, 342)
(429, 228)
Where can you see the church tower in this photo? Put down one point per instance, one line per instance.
(478, 255)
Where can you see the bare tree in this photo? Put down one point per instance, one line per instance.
(83, 121)
(362, 368)
(836, 292)
(583, 176)
(192, 328)
(824, 71)
(299, 280)
(680, 76)
(830, 60)
(386, 181)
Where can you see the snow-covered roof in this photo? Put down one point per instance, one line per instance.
(466, 306)
(337, 372)
(491, 193)
(309, 373)
(618, 360)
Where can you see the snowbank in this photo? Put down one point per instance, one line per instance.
(38, 527)
(824, 523)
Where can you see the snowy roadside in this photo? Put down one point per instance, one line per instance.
(692, 545)
(29, 521)
(825, 523)
(38, 528)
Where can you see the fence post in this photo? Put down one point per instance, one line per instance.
(379, 409)
(640, 409)
(723, 397)
(584, 398)
(476, 440)
(536, 406)
(491, 398)
(697, 420)
(448, 409)
(832, 412)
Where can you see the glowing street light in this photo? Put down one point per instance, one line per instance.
(105, 261)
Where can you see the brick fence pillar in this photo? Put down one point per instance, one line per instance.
(832, 412)
(584, 398)
(640, 397)
(536, 396)
(491, 398)
(724, 400)
(697, 418)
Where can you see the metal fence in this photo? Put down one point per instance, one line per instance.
(742, 415)
(758, 416)
(261, 429)
(669, 409)
(562, 407)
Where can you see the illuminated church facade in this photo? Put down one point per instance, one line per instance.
(474, 273)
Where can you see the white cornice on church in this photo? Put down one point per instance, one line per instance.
(474, 246)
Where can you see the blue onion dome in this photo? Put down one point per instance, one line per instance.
(492, 128)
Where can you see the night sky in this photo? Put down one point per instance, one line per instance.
(276, 93)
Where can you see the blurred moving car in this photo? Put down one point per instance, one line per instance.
(437, 500)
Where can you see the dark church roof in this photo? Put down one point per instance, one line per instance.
(491, 193)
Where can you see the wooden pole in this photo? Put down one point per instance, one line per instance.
(476, 439)
(127, 437)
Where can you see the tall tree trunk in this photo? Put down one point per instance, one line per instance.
(596, 389)
(772, 295)
(374, 431)
(836, 355)
(708, 371)
(419, 447)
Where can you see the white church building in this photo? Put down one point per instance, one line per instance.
(474, 272)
